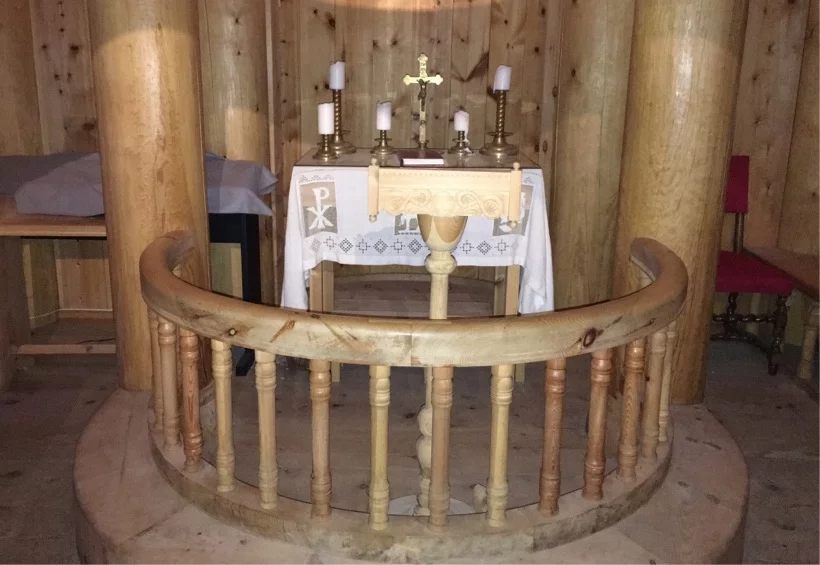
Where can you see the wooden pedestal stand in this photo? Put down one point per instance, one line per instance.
(443, 199)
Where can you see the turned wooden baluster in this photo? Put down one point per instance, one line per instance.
(652, 398)
(167, 341)
(555, 377)
(156, 360)
(441, 235)
(440, 461)
(666, 385)
(595, 462)
(191, 426)
(266, 398)
(379, 486)
(222, 362)
(320, 484)
(501, 386)
(630, 416)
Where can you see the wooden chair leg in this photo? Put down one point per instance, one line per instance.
(779, 330)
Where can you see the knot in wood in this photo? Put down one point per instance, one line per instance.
(590, 337)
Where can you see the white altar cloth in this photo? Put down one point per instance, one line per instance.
(328, 221)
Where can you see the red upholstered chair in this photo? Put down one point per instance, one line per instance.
(739, 272)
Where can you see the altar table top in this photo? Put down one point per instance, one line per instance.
(328, 221)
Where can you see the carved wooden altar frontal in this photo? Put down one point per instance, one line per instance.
(491, 193)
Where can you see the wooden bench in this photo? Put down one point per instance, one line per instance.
(15, 327)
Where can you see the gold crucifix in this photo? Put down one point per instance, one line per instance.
(422, 80)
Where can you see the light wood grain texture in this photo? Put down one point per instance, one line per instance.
(549, 490)
(266, 400)
(798, 227)
(804, 369)
(631, 410)
(42, 292)
(379, 485)
(65, 91)
(592, 89)
(552, 31)
(442, 400)
(20, 135)
(147, 85)
(666, 388)
(441, 235)
(469, 65)
(766, 98)
(320, 480)
(222, 361)
(417, 342)
(66, 349)
(803, 268)
(235, 87)
(595, 460)
(316, 41)
(683, 83)
(167, 338)
(507, 31)
(20, 119)
(156, 367)
(82, 275)
(35, 225)
(191, 427)
(14, 325)
(501, 387)
(652, 397)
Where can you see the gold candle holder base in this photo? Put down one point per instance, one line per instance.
(338, 143)
(325, 152)
(462, 147)
(498, 147)
(382, 149)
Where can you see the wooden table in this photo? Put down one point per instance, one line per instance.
(804, 269)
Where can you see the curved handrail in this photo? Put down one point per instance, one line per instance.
(409, 341)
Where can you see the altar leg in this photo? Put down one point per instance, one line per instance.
(441, 235)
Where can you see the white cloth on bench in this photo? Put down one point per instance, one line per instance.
(70, 184)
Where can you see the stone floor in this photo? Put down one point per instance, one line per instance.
(774, 421)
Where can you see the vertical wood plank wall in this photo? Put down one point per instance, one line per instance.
(268, 112)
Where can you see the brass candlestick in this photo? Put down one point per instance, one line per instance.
(340, 146)
(382, 149)
(325, 152)
(498, 147)
(462, 147)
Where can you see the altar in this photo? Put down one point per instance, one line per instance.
(328, 221)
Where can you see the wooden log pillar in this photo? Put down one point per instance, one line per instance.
(147, 85)
(682, 87)
(593, 74)
(235, 99)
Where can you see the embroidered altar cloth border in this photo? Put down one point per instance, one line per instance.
(327, 221)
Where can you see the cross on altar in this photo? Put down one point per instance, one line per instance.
(422, 80)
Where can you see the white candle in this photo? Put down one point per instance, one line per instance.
(462, 121)
(336, 76)
(326, 112)
(384, 115)
(503, 75)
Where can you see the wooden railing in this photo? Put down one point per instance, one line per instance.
(182, 314)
